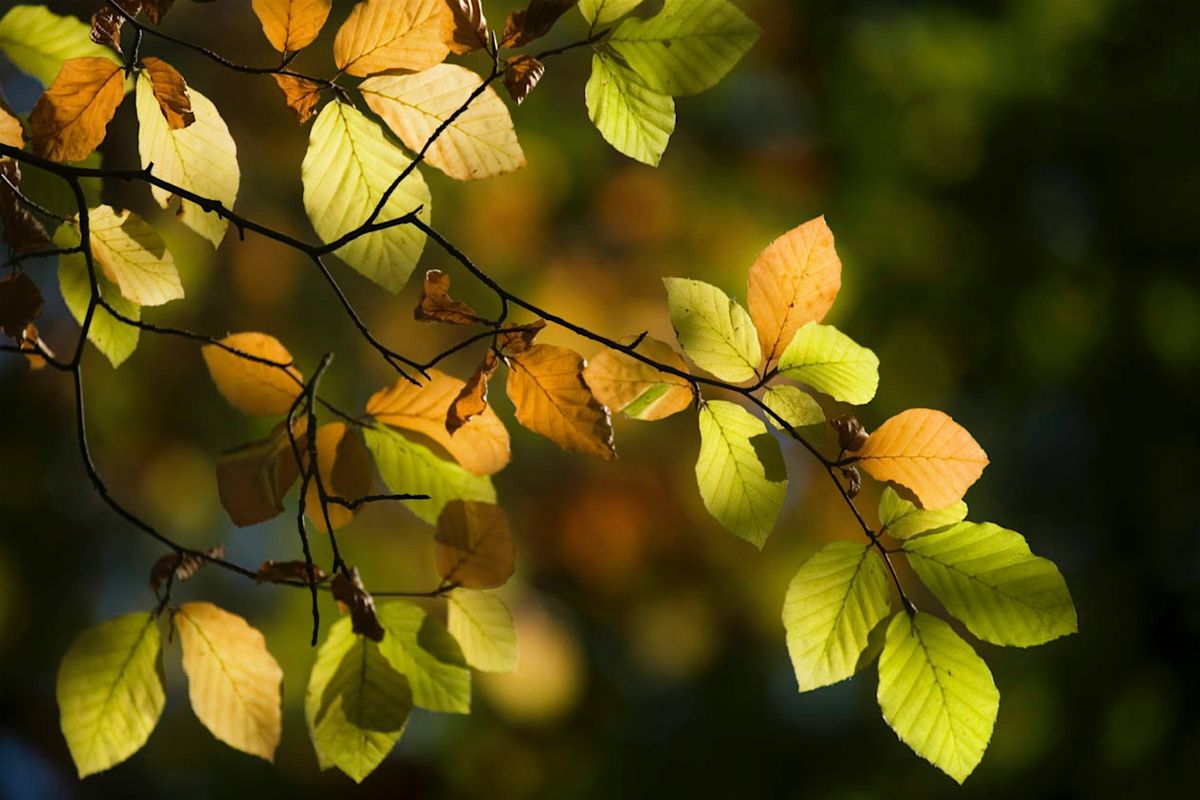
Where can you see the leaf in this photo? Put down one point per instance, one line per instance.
(253, 479)
(23, 232)
(850, 432)
(113, 338)
(234, 683)
(171, 92)
(356, 705)
(602, 12)
(70, 120)
(833, 603)
(470, 26)
(181, 567)
(483, 628)
(519, 339)
(436, 304)
(20, 303)
(631, 116)
(133, 257)
(739, 471)
(927, 453)
(348, 590)
(936, 693)
(285, 571)
(38, 41)
(625, 384)
(478, 143)
(713, 329)
(253, 387)
(382, 35)
(156, 9)
(300, 94)
(533, 22)
(688, 46)
(830, 362)
(798, 409)
(291, 25)
(901, 519)
(986, 576)
(472, 399)
(11, 132)
(793, 281)
(474, 545)
(345, 468)
(522, 74)
(54, 194)
(110, 691)
(347, 168)
(106, 26)
(481, 446)
(545, 384)
(409, 467)
(419, 648)
(201, 158)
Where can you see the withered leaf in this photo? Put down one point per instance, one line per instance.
(545, 384)
(851, 433)
(70, 118)
(156, 9)
(474, 545)
(853, 480)
(470, 26)
(301, 95)
(519, 338)
(287, 571)
(107, 22)
(350, 592)
(346, 472)
(535, 21)
(171, 92)
(23, 233)
(473, 399)
(436, 304)
(522, 75)
(33, 346)
(253, 479)
(184, 565)
(20, 304)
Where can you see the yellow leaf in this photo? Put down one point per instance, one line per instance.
(545, 384)
(251, 386)
(300, 94)
(234, 683)
(474, 545)
(625, 384)
(793, 281)
(11, 132)
(70, 119)
(381, 35)
(480, 446)
(291, 25)
(479, 143)
(346, 472)
(927, 453)
(133, 257)
(253, 479)
(171, 92)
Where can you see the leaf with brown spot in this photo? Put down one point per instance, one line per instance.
(253, 479)
(346, 472)
(535, 21)
(472, 400)
(522, 75)
(20, 304)
(287, 572)
(291, 25)
(470, 26)
(436, 304)
(171, 92)
(383, 35)
(23, 233)
(545, 384)
(301, 95)
(519, 338)
(70, 119)
(625, 384)
(184, 565)
(254, 387)
(349, 591)
(474, 545)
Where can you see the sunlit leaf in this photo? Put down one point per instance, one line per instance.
(713, 329)
(171, 92)
(625, 384)
(522, 75)
(345, 468)
(474, 545)
(381, 35)
(300, 94)
(132, 256)
(291, 25)
(631, 116)
(253, 387)
(113, 338)
(831, 362)
(546, 386)
(901, 519)
(71, 118)
(419, 648)
(436, 304)
(483, 627)
(470, 26)
(602, 12)
(518, 339)
(38, 41)
(11, 132)
(797, 408)
(472, 399)
(253, 479)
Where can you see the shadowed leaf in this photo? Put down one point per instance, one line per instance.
(627, 385)
(470, 26)
(534, 21)
(300, 94)
(522, 75)
(345, 468)
(472, 399)
(348, 590)
(474, 545)
(253, 479)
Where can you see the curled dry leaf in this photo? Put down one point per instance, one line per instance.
(472, 400)
(70, 118)
(184, 565)
(349, 591)
(625, 384)
(382, 35)
(535, 21)
(301, 95)
(474, 545)
(171, 92)
(291, 25)
(287, 572)
(519, 338)
(522, 75)
(20, 304)
(107, 22)
(23, 232)
(436, 304)
(254, 387)
(253, 479)
(346, 472)
(851, 433)
(853, 480)
(545, 384)
(470, 26)
(156, 9)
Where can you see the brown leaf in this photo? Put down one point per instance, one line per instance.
(23, 233)
(184, 566)
(291, 25)
(851, 433)
(70, 118)
(287, 571)
(470, 26)
(474, 545)
(107, 22)
(535, 21)
(436, 304)
(383, 35)
(519, 338)
(253, 479)
(11, 132)
(350, 592)
(33, 346)
(346, 472)
(522, 75)
(546, 386)
(171, 92)
(472, 400)
(853, 480)
(301, 95)
(625, 384)
(20, 304)
(156, 9)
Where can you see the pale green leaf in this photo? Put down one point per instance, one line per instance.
(419, 648)
(902, 519)
(632, 117)
(348, 166)
(686, 47)
(110, 691)
(713, 329)
(38, 41)
(483, 627)
(798, 409)
(986, 576)
(356, 705)
(132, 256)
(408, 467)
(832, 605)
(602, 12)
(113, 338)
(740, 471)
(830, 362)
(936, 693)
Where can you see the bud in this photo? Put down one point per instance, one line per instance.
(853, 479)
(851, 434)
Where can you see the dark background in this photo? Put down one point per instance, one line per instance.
(1013, 187)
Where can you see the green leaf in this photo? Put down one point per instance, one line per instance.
(740, 471)
(483, 628)
(830, 362)
(413, 468)
(349, 165)
(38, 41)
(113, 338)
(356, 705)
(688, 46)
(986, 576)
(631, 116)
(602, 12)
(53, 193)
(832, 605)
(419, 648)
(201, 158)
(110, 691)
(713, 329)
(902, 519)
(936, 693)
(798, 409)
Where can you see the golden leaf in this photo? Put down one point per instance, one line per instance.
(253, 387)
(69, 120)
(382, 35)
(474, 545)
(171, 92)
(291, 25)
(301, 95)
(472, 399)
(11, 132)
(546, 386)
(623, 383)
(520, 338)
(436, 304)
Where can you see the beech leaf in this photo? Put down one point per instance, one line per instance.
(545, 384)
(470, 26)
(253, 479)
(70, 119)
(346, 472)
(474, 545)
(291, 25)
(522, 75)
(253, 387)
(636, 389)
(436, 304)
(171, 92)
(472, 399)
(300, 94)
(348, 590)
(382, 35)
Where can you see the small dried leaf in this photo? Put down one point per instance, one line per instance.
(470, 26)
(851, 433)
(33, 346)
(20, 304)
(350, 592)
(287, 571)
(70, 119)
(473, 399)
(519, 339)
(106, 25)
(547, 388)
(535, 21)
(156, 9)
(853, 480)
(184, 566)
(171, 92)
(23, 233)
(301, 95)
(437, 305)
(474, 545)
(522, 75)
(254, 387)
(346, 472)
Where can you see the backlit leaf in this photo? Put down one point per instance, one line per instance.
(901, 519)
(520, 338)
(625, 384)
(798, 409)
(545, 384)
(291, 25)
(602, 12)
(132, 256)
(171, 92)
(522, 75)
(38, 41)
(470, 26)
(11, 132)
(713, 329)
(472, 399)
(483, 627)
(831, 362)
(300, 94)
(252, 387)
(381, 35)
(631, 116)
(345, 468)
(474, 545)
(253, 479)
(113, 338)
(436, 304)
(419, 648)
(72, 116)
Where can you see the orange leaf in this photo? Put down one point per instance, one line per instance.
(106, 26)
(11, 132)
(436, 304)
(470, 26)
(472, 399)
(793, 281)
(546, 386)
(70, 118)
(346, 472)
(171, 92)
(474, 545)
(253, 479)
(624, 383)
(291, 25)
(927, 453)
(382, 35)
(301, 95)
(253, 387)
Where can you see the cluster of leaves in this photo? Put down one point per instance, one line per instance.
(433, 438)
